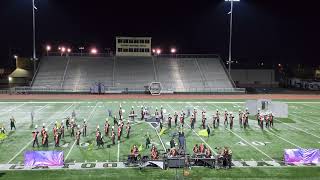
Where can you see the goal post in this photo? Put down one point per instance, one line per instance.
(155, 88)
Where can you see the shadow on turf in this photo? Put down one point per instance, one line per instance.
(2, 174)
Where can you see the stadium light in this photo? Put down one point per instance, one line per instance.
(69, 50)
(81, 49)
(153, 50)
(94, 51)
(158, 51)
(229, 62)
(63, 49)
(173, 50)
(10, 79)
(15, 56)
(34, 58)
(48, 48)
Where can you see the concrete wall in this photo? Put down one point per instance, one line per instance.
(254, 77)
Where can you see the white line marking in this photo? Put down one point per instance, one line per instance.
(164, 148)
(298, 128)
(214, 152)
(269, 131)
(32, 140)
(9, 110)
(118, 157)
(89, 117)
(251, 144)
(70, 150)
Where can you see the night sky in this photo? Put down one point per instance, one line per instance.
(270, 31)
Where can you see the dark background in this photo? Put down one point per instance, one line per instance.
(269, 31)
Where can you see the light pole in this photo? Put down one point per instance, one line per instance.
(230, 34)
(34, 57)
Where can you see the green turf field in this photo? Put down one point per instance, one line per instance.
(301, 129)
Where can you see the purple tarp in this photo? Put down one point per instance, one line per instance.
(302, 156)
(43, 158)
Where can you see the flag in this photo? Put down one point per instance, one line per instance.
(163, 131)
(90, 147)
(203, 132)
(140, 148)
(3, 136)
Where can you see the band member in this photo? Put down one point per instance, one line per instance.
(175, 118)
(106, 128)
(202, 148)
(35, 137)
(161, 112)
(192, 121)
(113, 136)
(154, 153)
(208, 131)
(172, 143)
(228, 156)
(62, 129)
(56, 139)
(132, 114)
(218, 118)
(156, 115)
(72, 126)
(142, 113)
(78, 135)
(101, 142)
(261, 121)
(266, 118)
(2, 130)
(45, 137)
(246, 120)
(43, 130)
(231, 117)
(12, 123)
(195, 114)
(128, 128)
(119, 132)
(120, 111)
(271, 117)
(98, 136)
(161, 124)
(182, 119)
(214, 120)
(195, 149)
(169, 120)
(84, 128)
(208, 153)
(55, 129)
(135, 152)
(73, 115)
(148, 140)
(68, 122)
(225, 118)
(204, 120)
(173, 152)
(115, 121)
(258, 116)
(240, 117)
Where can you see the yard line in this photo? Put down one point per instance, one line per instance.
(247, 141)
(89, 117)
(12, 109)
(269, 131)
(118, 156)
(32, 140)
(297, 128)
(306, 119)
(197, 134)
(164, 148)
(250, 144)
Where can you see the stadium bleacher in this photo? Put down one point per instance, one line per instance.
(174, 73)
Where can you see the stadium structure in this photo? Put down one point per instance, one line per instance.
(233, 129)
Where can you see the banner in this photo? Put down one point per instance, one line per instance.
(302, 156)
(43, 158)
